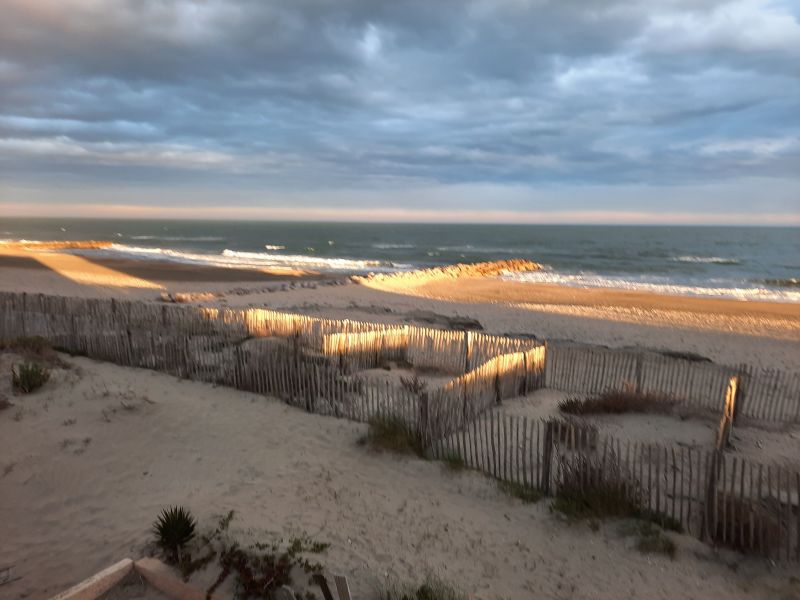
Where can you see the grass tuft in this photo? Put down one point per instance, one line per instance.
(393, 434)
(29, 377)
(526, 493)
(651, 539)
(432, 588)
(587, 490)
(454, 462)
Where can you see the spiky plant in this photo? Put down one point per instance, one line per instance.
(29, 377)
(174, 528)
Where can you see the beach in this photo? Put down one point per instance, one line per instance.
(765, 334)
(94, 455)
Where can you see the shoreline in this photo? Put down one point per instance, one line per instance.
(161, 271)
(499, 290)
(466, 287)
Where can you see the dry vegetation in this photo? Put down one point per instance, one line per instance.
(617, 402)
(432, 588)
(392, 434)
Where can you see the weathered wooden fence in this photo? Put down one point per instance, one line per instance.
(723, 499)
(752, 506)
(764, 394)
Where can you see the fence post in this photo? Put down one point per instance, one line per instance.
(547, 458)
(741, 392)
(639, 368)
(467, 350)
(524, 373)
(423, 419)
(728, 411)
(709, 520)
(24, 312)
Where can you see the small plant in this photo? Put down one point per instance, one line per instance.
(174, 528)
(264, 568)
(392, 434)
(454, 462)
(658, 543)
(526, 493)
(29, 377)
(588, 491)
(651, 539)
(432, 588)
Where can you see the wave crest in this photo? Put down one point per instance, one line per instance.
(712, 260)
(657, 286)
(252, 260)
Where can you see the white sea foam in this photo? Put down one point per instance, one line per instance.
(715, 260)
(248, 260)
(712, 288)
(382, 246)
(271, 247)
(179, 238)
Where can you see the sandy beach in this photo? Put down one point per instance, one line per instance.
(91, 458)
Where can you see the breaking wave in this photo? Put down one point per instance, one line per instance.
(711, 288)
(708, 260)
(251, 260)
(179, 238)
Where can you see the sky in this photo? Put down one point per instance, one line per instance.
(673, 111)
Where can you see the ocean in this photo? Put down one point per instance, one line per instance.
(745, 263)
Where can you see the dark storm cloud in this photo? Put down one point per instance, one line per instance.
(347, 94)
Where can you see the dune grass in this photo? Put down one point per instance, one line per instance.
(393, 434)
(526, 493)
(432, 588)
(615, 402)
(29, 377)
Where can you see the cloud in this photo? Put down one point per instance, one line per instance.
(308, 95)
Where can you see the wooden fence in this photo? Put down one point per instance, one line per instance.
(752, 506)
(764, 394)
(723, 499)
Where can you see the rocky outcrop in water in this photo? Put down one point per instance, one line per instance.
(457, 271)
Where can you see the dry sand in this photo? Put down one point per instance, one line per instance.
(90, 459)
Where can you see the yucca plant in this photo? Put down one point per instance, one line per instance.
(29, 377)
(174, 528)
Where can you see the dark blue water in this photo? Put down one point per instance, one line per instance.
(740, 262)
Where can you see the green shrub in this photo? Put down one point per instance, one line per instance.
(432, 588)
(29, 377)
(393, 434)
(588, 490)
(174, 528)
